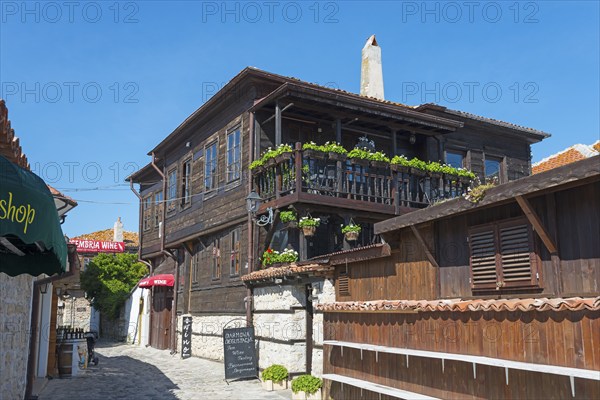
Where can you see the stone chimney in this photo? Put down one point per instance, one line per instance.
(118, 231)
(371, 73)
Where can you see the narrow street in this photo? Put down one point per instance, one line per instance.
(130, 372)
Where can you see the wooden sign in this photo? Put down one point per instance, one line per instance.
(240, 353)
(186, 337)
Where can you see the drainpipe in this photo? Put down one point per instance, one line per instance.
(250, 223)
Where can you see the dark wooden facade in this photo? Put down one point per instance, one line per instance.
(193, 198)
(432, 263)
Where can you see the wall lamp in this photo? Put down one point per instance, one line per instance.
(43, 288)
(412, 139)
(253, 204)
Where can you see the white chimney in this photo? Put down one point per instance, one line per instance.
(118, 231)
(371, 73)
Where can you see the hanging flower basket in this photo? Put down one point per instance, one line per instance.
(309, 230)
(351, 236)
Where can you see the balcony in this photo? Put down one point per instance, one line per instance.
(330, 179)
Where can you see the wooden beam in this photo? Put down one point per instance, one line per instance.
(535, 221)
(430, 256)
(11, 247)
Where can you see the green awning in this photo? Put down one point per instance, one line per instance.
(31, 239)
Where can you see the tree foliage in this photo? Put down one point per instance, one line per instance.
(108, 280)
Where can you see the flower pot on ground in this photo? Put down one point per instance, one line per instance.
(275, 377)
(306, 387)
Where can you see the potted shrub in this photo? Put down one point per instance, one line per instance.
(351, 231)
(275, 377)
(306, 387)
(289, 218)
(359, 156)
(309, 225)
(379, 160)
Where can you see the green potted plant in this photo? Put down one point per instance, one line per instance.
(288, 256)
(417, 167)
(379, 160)
(274, 377)
(289, 218)
(434, 169)
(359, 156)
(351, 231)
(306, 387)
(336, 151)
(313, 150)
(309, 225)
(400, 164)
(270, 257)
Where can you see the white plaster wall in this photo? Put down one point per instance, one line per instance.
(139, 323)
(15, 317)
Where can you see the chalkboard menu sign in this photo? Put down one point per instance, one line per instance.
(186, 337)
(240, 354)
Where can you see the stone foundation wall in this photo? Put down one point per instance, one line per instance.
(15, 317)
(77, 313)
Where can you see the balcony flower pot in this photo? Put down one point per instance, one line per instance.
(435, 175)
(417, 172)
(270, 162)
(360, 161)
(400, 168)
(379, 164)
(314, 154)
(464, 179)
(279, 158)
(337, 156)
(309, 230)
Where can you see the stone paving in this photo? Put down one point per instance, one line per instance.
(131, 372)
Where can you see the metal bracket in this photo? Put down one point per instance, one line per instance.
(265, 219)
(572, 379)
(474, 371)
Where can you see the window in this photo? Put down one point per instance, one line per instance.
(502, 256)
(493, 170)
(147, 212)
(186, 182)
(196, 263)
(210, 167)
(171, 189)
(234, 164)
(158, 206)
(234, 263)
(216, 260)
(455, 159)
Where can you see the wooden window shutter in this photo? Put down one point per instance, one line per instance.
(517, 258)
(343, 287)
(483, 258)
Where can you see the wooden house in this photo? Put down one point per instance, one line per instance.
(193, 210)
(492, 297)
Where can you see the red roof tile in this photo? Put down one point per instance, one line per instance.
(286, 270)
(570, 155)
(458, 305)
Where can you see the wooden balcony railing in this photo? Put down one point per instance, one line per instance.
(317, 173)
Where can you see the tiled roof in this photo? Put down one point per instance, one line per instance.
(459, 305)
(286, 270)
(10, 146)
(61, 196)
(131, 239)
(574, 153)
(465, 114)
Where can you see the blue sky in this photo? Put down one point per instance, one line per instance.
(91, 87)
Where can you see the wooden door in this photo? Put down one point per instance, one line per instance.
(162, 299)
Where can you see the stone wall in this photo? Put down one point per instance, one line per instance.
(324, 293)
(207, 334)
(15, 317)
(77, 313)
